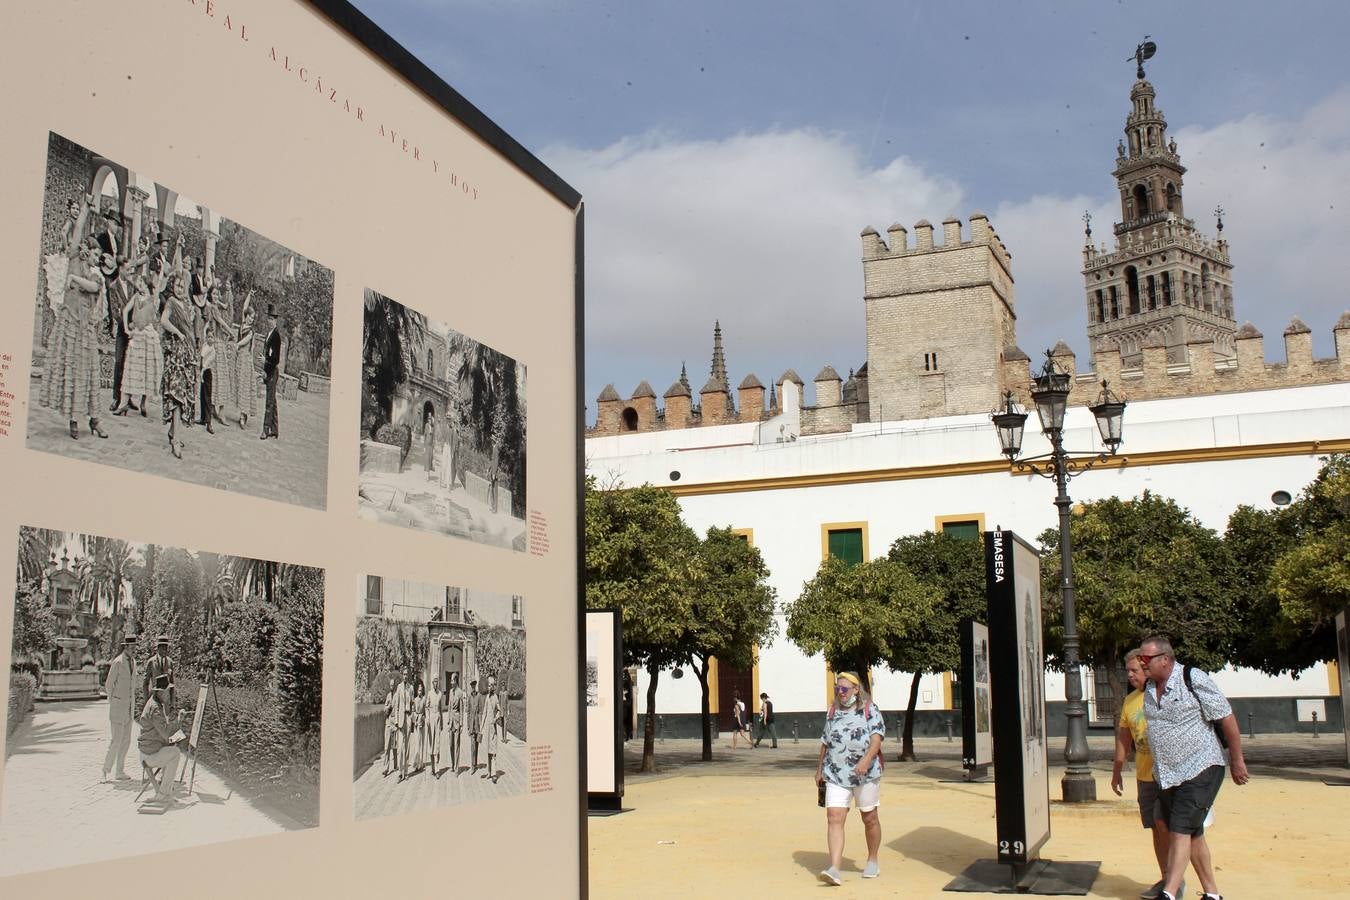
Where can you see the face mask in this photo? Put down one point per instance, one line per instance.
(850, 701)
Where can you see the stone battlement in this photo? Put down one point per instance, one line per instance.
(1201, 374)
(897, 239)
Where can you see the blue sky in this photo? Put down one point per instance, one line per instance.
(730, 153)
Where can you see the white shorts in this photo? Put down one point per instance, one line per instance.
(866, 797)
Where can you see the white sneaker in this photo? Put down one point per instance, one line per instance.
(831, 876)
(872, 869)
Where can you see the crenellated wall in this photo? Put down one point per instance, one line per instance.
(1201, 374)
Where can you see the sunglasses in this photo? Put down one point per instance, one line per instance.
(843, 690)
(1145, 659)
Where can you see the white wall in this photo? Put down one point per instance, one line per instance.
(786, 522)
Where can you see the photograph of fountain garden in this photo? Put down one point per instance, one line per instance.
(113, 645)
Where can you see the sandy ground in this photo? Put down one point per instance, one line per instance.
(750, 827)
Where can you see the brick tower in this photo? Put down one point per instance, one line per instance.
(1165, 283)
(939, 318)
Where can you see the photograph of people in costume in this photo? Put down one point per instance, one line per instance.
(442, 429)
(159, 698)
(171, 340)
(440, 697)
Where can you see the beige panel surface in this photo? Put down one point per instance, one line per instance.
(272, 117)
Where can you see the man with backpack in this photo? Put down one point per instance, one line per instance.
(766, 721)
(1183, 707)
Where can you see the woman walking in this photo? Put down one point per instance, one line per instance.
(849, 772)
(419, 729)
(143, 368)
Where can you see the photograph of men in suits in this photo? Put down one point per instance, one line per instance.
(403, 714)
(459, 710)
(475, 720)
(121, 689)
(272, 373)
(161, 742)
(160, 664)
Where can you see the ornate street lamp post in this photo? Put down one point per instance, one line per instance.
(1051, 396)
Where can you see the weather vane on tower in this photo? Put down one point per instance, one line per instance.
(1142, 52)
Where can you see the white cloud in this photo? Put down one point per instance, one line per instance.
(757, 231)
(761, 232)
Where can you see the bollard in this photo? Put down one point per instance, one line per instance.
(1315, 734)
(1251, 728)
(795, 739)
(949, 729)
(661, 729)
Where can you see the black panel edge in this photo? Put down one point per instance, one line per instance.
(375, 39)
(1009, 804)
(968, 753)
(618, 703)
(579, 356)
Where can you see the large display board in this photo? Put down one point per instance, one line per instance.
(977, 726)
(290, 328)
(1017, 666)
(604, 708)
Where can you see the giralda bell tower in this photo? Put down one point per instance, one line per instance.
(1164, 283)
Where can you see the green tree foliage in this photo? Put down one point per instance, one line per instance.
(1141, 566)
(861, 615)
(1267, 640)
(732, 615)
(299, 653)
(644, 561)
(954, 567)
(1312, 577)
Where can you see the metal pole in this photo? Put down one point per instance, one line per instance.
(1315, 734)
(1078, 785)
(1251, 728)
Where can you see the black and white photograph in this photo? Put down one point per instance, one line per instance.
(592, 670)
(442, 429)
(440, 697)
(160, 698)
(171, 340)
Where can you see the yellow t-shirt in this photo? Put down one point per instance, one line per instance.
(1132, 717)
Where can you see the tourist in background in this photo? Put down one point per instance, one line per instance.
(766, 721)
(1132, 734)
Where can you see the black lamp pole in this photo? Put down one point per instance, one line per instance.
(1051, 395)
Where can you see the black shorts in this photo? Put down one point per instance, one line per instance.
(1185, 806)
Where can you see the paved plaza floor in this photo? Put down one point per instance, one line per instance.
(414, 499)
(293, 469)
(55, 810)
(747, 825)
(376, 794)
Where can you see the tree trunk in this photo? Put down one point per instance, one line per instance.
(701, 671)
(907, 738)
(649, 730)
